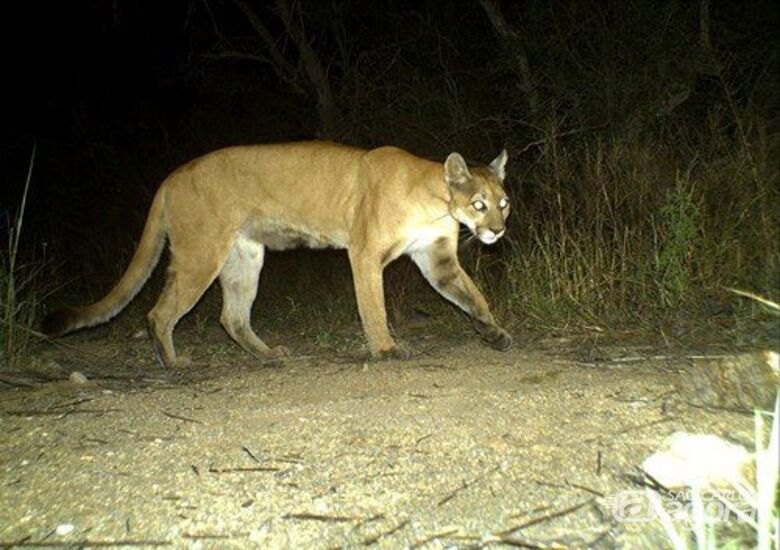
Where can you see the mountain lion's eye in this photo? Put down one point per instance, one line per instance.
(503, 203)
(479, 206)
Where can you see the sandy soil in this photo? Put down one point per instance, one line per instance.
(461, 446)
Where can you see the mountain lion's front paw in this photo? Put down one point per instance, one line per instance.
(497, 338)
(398, 351)
(181, 362)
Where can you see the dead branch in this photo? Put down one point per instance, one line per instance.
(465, 485)
(280, 65)
(13, 381)
(309, 69)
(58, 414)
(379, 536)
(242, 469)
(541, 519)
(512, 38)
(182, 418)
(209, 536)
(312, 66)
(85, 543)
(250, 453)
(318, 517)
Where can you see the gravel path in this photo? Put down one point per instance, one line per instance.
(464, 447)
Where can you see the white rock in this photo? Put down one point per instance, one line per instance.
(697, 460)
(64, 529)
(773, 360)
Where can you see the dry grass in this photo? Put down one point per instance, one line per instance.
(21, 288)
(636, 232)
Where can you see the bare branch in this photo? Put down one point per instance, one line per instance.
(511, 37)
(235, 54)
(497, 19)
(309, 62)
(704, 25)
(281, 66)
(261, 30)
(313, 68)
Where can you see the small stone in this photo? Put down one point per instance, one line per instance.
(77, 378)
(498, 444)
(64, 529)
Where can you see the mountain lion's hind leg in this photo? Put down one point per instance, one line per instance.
(239, 278)
(183, 289)
(439, 264)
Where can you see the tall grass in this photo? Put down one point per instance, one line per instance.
(634, 230)
(20, 290)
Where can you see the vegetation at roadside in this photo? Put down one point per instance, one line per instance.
(21, 288)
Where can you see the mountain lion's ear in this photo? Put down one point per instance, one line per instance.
(455, 170)
(498, 166)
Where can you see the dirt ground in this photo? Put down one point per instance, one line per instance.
(460, 447)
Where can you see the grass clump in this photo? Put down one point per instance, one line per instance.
(20, 289)
(679, 241)
(612, 233)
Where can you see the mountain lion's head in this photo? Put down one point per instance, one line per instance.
(477, 197)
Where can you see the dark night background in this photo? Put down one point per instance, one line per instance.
(612, 112)
(645, 186)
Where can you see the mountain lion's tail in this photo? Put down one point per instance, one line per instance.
(144, 260)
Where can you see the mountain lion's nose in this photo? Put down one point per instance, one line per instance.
(496, 228)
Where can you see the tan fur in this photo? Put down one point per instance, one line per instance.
(221, 211)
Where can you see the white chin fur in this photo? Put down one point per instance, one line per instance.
(488, 237)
